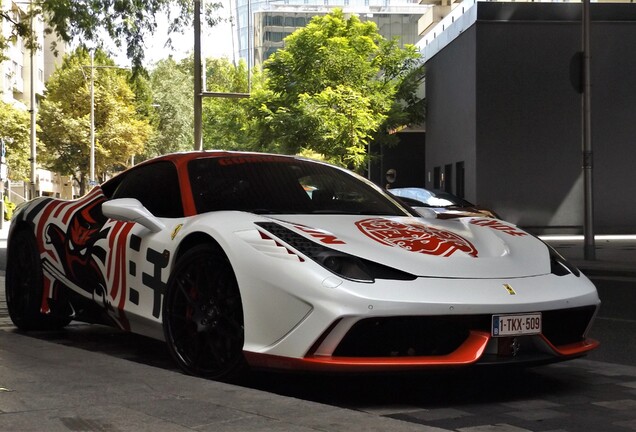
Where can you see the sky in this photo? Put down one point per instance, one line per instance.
(215, 41)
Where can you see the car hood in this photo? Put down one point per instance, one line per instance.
(468, 247)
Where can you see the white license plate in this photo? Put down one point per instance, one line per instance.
(516, 324)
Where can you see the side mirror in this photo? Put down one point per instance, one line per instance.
(131, 210)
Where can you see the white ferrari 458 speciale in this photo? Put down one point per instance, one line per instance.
(270, 261)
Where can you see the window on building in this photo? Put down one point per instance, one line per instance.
(437, 177)
(275, 36)
(274, 20)
(459, 180)
(448, 178)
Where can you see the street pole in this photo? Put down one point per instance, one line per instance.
(91, 156)
(250, 50)
(33, 110)
(198, 109)
(589, 248)
(92, 132)
(199, 89)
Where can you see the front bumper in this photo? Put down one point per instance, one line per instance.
(412, 343)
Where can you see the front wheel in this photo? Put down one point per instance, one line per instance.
(24, 285)
(203, 316)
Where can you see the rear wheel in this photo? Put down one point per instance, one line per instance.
(24, 285)
(203, 316)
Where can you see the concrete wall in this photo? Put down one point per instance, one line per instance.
(451, 124)
(406, 158)
(614, 123)
(529, 122)
(522, 146)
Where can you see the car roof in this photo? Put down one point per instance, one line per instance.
(185, 157)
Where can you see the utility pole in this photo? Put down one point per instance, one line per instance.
(250, 50)
(199, 92)
(589, 250)
(92, 151)
(91, 163)
(33, 112)
(198, 97)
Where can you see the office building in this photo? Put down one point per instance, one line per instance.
(16, 85)
(268, 22)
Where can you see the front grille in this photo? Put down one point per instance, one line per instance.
(567, 326)
(441, 335)
(408, 336)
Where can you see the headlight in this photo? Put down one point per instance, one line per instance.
(340, 263)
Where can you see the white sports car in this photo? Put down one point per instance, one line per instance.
(244, 259)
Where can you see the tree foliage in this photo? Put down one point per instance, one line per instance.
(172, 90)
(408, 107)
(120, 131)
(15, 130)
(224, 118)
(330, 89)
(129, 23)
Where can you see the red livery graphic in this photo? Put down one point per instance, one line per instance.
(498, 226)
(71, 252)
(320, 235)
(416, 237)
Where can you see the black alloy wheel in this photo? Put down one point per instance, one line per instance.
(24, 286)
(203, 316)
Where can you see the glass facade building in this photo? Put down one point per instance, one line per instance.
(268, 22)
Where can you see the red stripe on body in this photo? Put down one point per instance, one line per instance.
(121, 253)
(44, 216)
(61, 208)
(83, 202)
(111, 242)
(116, 268)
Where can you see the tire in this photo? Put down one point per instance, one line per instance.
(203, 316)
(24, 286)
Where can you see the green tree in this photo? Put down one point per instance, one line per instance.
(128, 23)
(330, 89)
(224, 118)
(144, 99)
(172, 97)
(408, 108)
(120, 131)
(15, 130)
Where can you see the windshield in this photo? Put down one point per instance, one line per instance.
(426, 198)
(283, 185)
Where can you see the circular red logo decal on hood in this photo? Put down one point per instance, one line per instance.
(416, 237)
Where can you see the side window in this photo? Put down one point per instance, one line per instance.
(156, 186)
